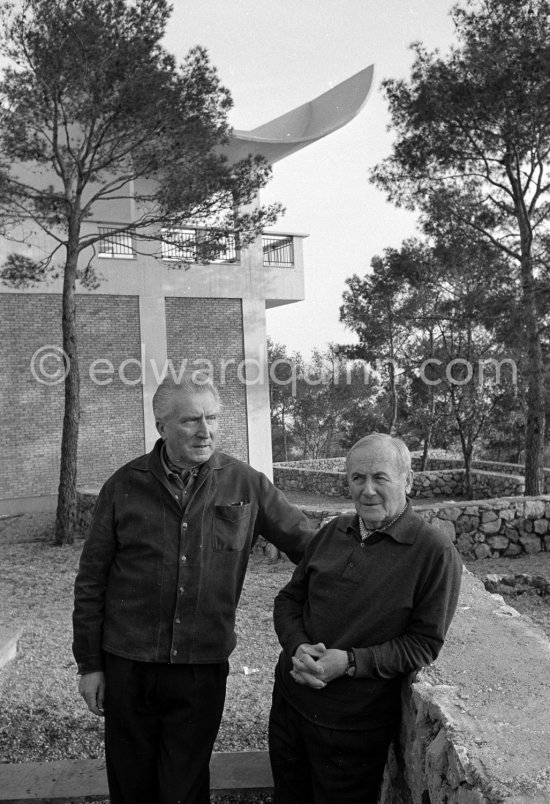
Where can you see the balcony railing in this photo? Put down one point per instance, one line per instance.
(189, 244)
(278, 250)
(184, 245)
(115, 244)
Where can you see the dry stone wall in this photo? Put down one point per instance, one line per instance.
(332, 482)
(440, 472)
(491, 528)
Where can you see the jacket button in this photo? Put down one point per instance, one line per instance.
(181, 590)
(183, 525)
(184, 558)
(174, 653)
(178, 620)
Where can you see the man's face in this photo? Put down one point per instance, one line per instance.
(190, 427)
(377, 485)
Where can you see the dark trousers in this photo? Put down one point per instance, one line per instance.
(316, 765)
(161, 721)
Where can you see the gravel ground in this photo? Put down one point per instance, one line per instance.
(43, 718)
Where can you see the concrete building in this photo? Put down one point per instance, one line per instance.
(147, 317)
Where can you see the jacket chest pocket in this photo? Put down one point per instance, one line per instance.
(231, 526)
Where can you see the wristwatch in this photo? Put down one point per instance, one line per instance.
(351, 668)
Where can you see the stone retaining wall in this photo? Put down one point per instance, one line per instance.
(443, 482)
(506, 526)
(326, 483)
(458, 463)
(514, 585)
(447, 482)
(330, 464)
(434, 465)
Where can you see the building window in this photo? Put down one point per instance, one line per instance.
(115, 244)
(180, 245)
(278, 250)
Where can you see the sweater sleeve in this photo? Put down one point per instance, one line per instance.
(423, 638)
(288, 610)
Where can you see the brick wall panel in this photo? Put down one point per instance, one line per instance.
(200, 330)
(111, 428)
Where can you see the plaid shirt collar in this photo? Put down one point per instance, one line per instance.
(171, 470)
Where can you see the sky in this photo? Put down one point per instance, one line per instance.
(274, 55)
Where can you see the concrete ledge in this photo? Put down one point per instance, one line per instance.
(28, 505)
(72, 781)
(9, 637)
(476, 724)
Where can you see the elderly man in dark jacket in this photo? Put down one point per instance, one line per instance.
(160, 577)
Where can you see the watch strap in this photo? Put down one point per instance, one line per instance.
(351, 668)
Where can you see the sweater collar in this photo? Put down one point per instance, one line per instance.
(403, 531)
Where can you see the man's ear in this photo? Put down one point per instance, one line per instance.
(409, 481)
(160, 428)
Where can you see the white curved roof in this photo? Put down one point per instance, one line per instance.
(307, 123)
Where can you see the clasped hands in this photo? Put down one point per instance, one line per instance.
(316, 665)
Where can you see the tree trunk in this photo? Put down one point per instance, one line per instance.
(66, 501)
(283, 422)
(536, 414)
(426, 450)
(465, 444)
(428, 436)
(393, 393)
(468, 489)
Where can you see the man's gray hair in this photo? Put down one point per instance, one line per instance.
(199, 382)
(398, 446)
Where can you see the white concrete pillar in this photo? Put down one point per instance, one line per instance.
(154, 356)
(257, 386)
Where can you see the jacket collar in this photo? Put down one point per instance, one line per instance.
(405, 530)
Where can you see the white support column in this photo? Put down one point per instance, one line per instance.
(257, 387)
(154, 356)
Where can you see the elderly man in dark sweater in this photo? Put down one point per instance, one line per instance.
(370, 602)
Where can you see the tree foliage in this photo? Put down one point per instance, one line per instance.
(283, 370)
(320, 406)
(370, 308)
(93, 111)
(473, 142)
(453, 371)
